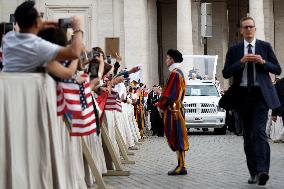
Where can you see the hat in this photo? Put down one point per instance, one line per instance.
(175, 54)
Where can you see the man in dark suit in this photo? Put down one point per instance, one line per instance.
(249, 63)
(150, 108)
(155, 118)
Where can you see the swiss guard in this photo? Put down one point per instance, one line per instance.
(173, 111)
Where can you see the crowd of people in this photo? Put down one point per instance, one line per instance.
(92, 90)
(102, 89)
(43, 46)
(90, 87)
(37, 46)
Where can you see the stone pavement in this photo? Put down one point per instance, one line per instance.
(213, 162)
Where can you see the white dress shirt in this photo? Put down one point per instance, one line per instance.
(244, 82)
(174, 66)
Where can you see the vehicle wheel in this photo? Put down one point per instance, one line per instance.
(220, 131)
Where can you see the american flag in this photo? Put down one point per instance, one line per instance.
(76, 101)
(113, 102)
(101, 100)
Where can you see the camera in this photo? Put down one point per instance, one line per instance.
(12, 19)
(96, 54)
(86, 55)
(6, 27)
(109, 59)
(65, 23)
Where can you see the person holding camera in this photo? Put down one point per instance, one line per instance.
(97, 67)
(68, 70)
(24, 51)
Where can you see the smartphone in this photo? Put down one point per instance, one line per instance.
(65, 23)
(12, 18)
(109, 59)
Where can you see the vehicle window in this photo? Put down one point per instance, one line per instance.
(201, 90)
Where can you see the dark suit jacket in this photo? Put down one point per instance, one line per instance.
(152, 99)
(234, 69)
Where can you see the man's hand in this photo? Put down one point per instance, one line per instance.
(76, 23)
(100, 58)
(258, 59)
(118, 58)
(274, 118)
(255, 58)
(134, 70)
(117, 80)
(247, 58)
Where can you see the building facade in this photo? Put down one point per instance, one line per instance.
(143, 30)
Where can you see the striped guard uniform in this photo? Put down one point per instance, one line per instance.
(175, 130)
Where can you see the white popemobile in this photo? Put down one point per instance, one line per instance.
(201, 106)
(202, 94)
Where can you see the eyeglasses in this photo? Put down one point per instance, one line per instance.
(248, 27)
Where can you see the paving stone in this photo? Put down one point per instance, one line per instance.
(213, 162)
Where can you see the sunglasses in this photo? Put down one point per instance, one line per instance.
(248, 27)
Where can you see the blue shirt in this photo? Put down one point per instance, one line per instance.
(24, 52)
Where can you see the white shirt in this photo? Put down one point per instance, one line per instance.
(244, 82)
(121, 89)
(174, 66)
(24, 52)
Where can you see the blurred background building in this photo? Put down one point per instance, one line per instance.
(143, 30)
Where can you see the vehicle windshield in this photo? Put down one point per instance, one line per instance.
(201, 90)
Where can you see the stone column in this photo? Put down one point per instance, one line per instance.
(256, 12)
(184, 27)
(116, 13)
(118, 26)
(136, 28)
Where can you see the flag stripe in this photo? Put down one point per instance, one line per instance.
(77, 101)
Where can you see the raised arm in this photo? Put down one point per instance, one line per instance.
(76, 47)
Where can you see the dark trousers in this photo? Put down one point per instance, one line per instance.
(230, 121)
(157, 124)
(238, 123)
(254, 113)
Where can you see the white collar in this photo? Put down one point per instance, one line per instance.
(174, 66)
(252, 43)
